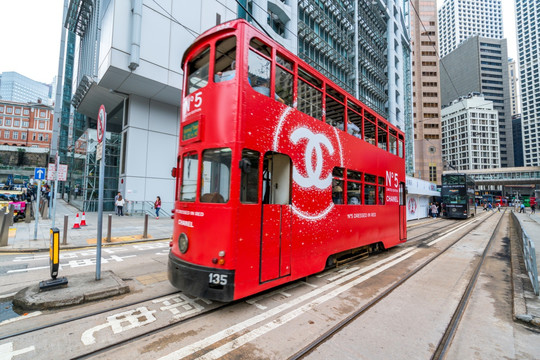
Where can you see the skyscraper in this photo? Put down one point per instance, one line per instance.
(528, 36)
(426, 92)
(19, 88)
(461, 19)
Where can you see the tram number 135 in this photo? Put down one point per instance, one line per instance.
(217, 279)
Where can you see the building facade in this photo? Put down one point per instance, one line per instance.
(513, 80)
(528, 38)
(426, 93)
(461, 19)
(19, 88)
(518, 140)
(470, 135)
(26, 125)
(486, 72)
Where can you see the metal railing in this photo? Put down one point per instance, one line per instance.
(140, 208)
(529, 255)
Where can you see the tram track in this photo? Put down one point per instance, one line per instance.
(458, 313)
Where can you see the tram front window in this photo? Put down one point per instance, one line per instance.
(216, 175)
(197, 71)
(188, 190)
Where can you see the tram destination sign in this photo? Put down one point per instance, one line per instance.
(190, 131)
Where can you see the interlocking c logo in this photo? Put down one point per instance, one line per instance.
(314, 144)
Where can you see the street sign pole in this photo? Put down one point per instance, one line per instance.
(53, 197)
(101, 128)
(37, 208)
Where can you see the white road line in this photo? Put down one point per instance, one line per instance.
(317, 294)
(28, 269)
(450, 233)
(32, 314)
(4, 296)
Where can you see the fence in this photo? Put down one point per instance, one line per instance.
(529, 254)
(140, 208)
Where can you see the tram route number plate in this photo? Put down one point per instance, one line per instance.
(218, 279)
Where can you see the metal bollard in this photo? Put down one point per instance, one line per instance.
(28, 213)
(4, 228)
(109, 227)
(145, 231)
(10, 213)
(64, 238)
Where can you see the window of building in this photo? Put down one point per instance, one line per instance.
(8, 122)
(6, 134)
(24, 124)
(432, 173)
(42, 125)
(23, 136)
(15, 135)
(17, 111)
(16, 123)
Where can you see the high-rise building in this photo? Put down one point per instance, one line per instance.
(470, 134)
(426, 92)
(518, 140)
(461, 19)
(528, 37)
(19, 88)
(513, 80)
(480, 65)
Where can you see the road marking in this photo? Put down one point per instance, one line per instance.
(7, 353)
(317, 294)
(451, 232)
(32, 314)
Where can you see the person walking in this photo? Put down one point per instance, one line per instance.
(533, 208)
(120, 205)
(434, 210)
(115, 200)
(522, 208)
(157, 206)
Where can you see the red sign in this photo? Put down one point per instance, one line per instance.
(102, 118)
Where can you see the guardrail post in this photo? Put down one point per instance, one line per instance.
(64, 238)
(145, 232)
(109, 227)
(10, 217)
(28, 213)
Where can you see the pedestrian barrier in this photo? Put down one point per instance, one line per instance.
(83, 220)
(76, 225)
(529, 255)
(4, 227)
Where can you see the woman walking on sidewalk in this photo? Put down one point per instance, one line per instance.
(157, 206)
(120, 205)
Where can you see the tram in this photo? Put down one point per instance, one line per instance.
(457, 192)
(280, 173)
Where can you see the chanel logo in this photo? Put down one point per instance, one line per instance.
(313, 177)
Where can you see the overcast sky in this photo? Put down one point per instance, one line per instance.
(30, 36)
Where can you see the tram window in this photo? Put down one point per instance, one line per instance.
(382, 135)
(249, 182)
(400, 148)
(284, 86)
(335, 94)
(382, 191)
(216, 175)
(354, 123)
(370, 189)
(197, 71)
(309, 100)
(284, 62)
(190, 165)
(261, 47)
(259, 73)
(225, 62)
(276, 179)
(309, 78)
(354, 187)
(335, 113)
(393, 141)
(337, 185)
(369, 131)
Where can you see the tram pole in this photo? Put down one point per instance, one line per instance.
(101, 128)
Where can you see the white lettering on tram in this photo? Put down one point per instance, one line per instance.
(185, 223)
(192, 213)
(392, 179)
(313, 146)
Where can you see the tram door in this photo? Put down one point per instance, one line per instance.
(402, 212)
(276, 217)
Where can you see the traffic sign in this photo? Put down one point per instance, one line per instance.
(51, 171)
(101, 119)
(62, 172)
(39, 173)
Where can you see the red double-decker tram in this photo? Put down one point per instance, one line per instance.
(280, 172)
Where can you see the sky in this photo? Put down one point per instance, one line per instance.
(30, 36)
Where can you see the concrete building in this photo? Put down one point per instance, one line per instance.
(480, 65)
(19, 88)
(134, 70)
(528, 36)
(513, 80)
(517, 133)
(26, 125)
(461, 19)
(470, 136)
(426, 93)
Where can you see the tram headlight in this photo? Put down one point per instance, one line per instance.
(183, 243)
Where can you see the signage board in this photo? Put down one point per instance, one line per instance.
(102, 117)
(39, 173)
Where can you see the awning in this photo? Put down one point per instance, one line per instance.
(90, 96)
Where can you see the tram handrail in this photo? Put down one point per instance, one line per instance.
(529, 255)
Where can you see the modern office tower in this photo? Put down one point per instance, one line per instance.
(514, 86)
(461, 19)
(518, 140)
(24, 124)
(528, 37)
(426, 92)
(480, 65)
(19, 88)
(470, 134)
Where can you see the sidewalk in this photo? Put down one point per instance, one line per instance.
(123, 229)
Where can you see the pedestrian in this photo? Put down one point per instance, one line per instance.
(490, 207)
(434, 210)
(499, 207)
(157, 206)
(438, 209)
(484, 207)
(522, 208)
(120, 205)
(533, 208)
(115, 200)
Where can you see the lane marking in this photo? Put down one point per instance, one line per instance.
(32, 314)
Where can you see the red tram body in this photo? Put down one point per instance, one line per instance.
(275, 181)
